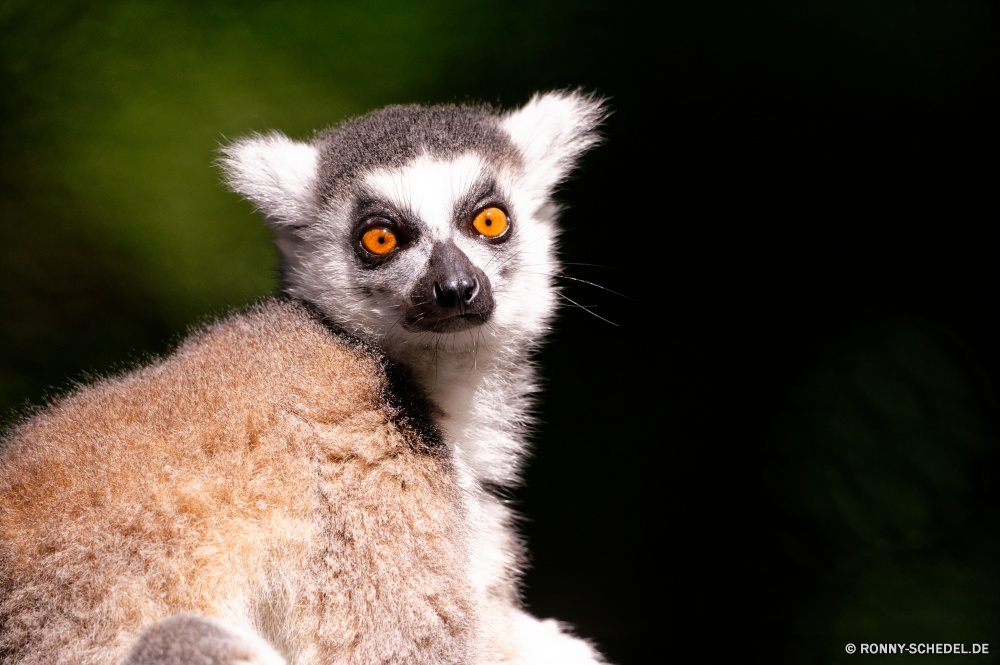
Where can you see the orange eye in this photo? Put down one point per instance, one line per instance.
(491, 222)
(379, 241)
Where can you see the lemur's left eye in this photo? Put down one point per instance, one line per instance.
(379, 240)
(491, 222)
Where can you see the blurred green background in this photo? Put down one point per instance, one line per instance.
(790, 440)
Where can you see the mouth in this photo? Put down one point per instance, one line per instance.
(421, 320)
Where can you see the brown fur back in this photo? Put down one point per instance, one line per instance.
(269, 472)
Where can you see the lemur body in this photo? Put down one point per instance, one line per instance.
(308, 481)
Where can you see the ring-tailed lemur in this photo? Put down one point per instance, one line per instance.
(307, 482)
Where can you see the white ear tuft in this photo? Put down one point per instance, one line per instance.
(276, 173)
(552, 131)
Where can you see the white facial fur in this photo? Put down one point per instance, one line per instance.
(323, 268)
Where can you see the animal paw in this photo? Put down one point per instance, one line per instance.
(187, 639)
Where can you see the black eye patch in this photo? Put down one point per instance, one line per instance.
(370, 211)
(485, 192)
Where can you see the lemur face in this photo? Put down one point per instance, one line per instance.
(422, 226)
(437, 250)
(428, 248)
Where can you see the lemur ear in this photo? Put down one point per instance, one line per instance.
(552, 131)
(276, 173)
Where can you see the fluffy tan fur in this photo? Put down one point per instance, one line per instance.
(259, 475)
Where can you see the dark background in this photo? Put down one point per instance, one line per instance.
(787, 443)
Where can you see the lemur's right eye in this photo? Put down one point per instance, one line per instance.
(491, 222)
(379, 240)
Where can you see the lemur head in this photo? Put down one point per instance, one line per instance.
(412, 226)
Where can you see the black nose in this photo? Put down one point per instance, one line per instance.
(451, 296)
(456, 293)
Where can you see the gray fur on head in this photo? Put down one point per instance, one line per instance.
(395, 135)
(287, 179)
